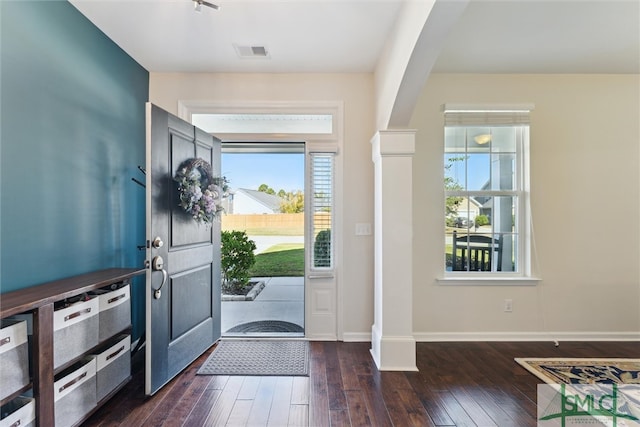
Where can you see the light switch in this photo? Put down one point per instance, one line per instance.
(363, 229)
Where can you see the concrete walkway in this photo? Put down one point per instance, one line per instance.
(265, 242)
(282, 299)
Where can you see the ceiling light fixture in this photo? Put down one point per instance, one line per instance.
(482, 139)
(197, 5)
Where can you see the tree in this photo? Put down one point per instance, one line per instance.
(453, 202)
(293, 202)
(266, 189)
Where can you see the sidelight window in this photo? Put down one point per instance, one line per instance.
(321, 168)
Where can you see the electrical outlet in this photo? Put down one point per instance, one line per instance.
(508, 305)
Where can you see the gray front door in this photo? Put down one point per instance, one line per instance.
(183, 281)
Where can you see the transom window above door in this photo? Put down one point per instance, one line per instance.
(264, 123)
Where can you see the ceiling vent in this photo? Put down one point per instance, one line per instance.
(251, 51)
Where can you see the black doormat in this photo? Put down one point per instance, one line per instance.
(266, 326)
(258, 357)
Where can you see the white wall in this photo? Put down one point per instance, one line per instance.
(356, 91)
(585, 186)
(585, 139)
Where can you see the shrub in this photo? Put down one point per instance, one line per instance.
(322, 249)
(482, 220)
(450, 221)
(236, 259)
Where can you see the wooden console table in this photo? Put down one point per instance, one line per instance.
(39, 300)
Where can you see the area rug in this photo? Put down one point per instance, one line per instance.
(585, 392)
(258, 357)
(583, 371)
(267, 326)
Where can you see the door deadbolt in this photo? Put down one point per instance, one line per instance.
(157, 243)
(158, 263)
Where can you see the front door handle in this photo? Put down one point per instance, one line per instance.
(158, 265)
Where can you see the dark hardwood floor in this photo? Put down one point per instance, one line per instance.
(458, 384)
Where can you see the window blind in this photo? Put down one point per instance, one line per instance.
(460, 115)
(322, 209)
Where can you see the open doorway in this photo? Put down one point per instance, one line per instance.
(265, 207)
(320, 126)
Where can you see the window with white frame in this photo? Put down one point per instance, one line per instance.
(486, 191)
(321, 168)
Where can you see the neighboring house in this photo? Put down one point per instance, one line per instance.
(245, 201)
(468, 208)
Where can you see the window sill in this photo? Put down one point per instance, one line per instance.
(489, 281)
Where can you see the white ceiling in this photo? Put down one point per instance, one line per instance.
(561, 36)
(300, 35)
(507, 36)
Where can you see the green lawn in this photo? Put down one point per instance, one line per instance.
(286, 260)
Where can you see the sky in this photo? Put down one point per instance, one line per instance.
(476, 165)
(278, 171)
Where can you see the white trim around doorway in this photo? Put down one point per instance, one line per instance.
(324, 305)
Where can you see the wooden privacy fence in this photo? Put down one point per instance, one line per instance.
(272, 224)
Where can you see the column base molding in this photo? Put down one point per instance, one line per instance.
(393, 353)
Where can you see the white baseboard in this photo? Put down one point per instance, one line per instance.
(506, 336)
(322, 337)
(526, 336)
(356, 337)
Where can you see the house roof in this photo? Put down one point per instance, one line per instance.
(269, 200)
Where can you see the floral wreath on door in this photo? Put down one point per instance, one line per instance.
(200, 192)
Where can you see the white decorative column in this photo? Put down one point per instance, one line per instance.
(392, 344)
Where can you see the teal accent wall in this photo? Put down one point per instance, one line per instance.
(72, 134)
